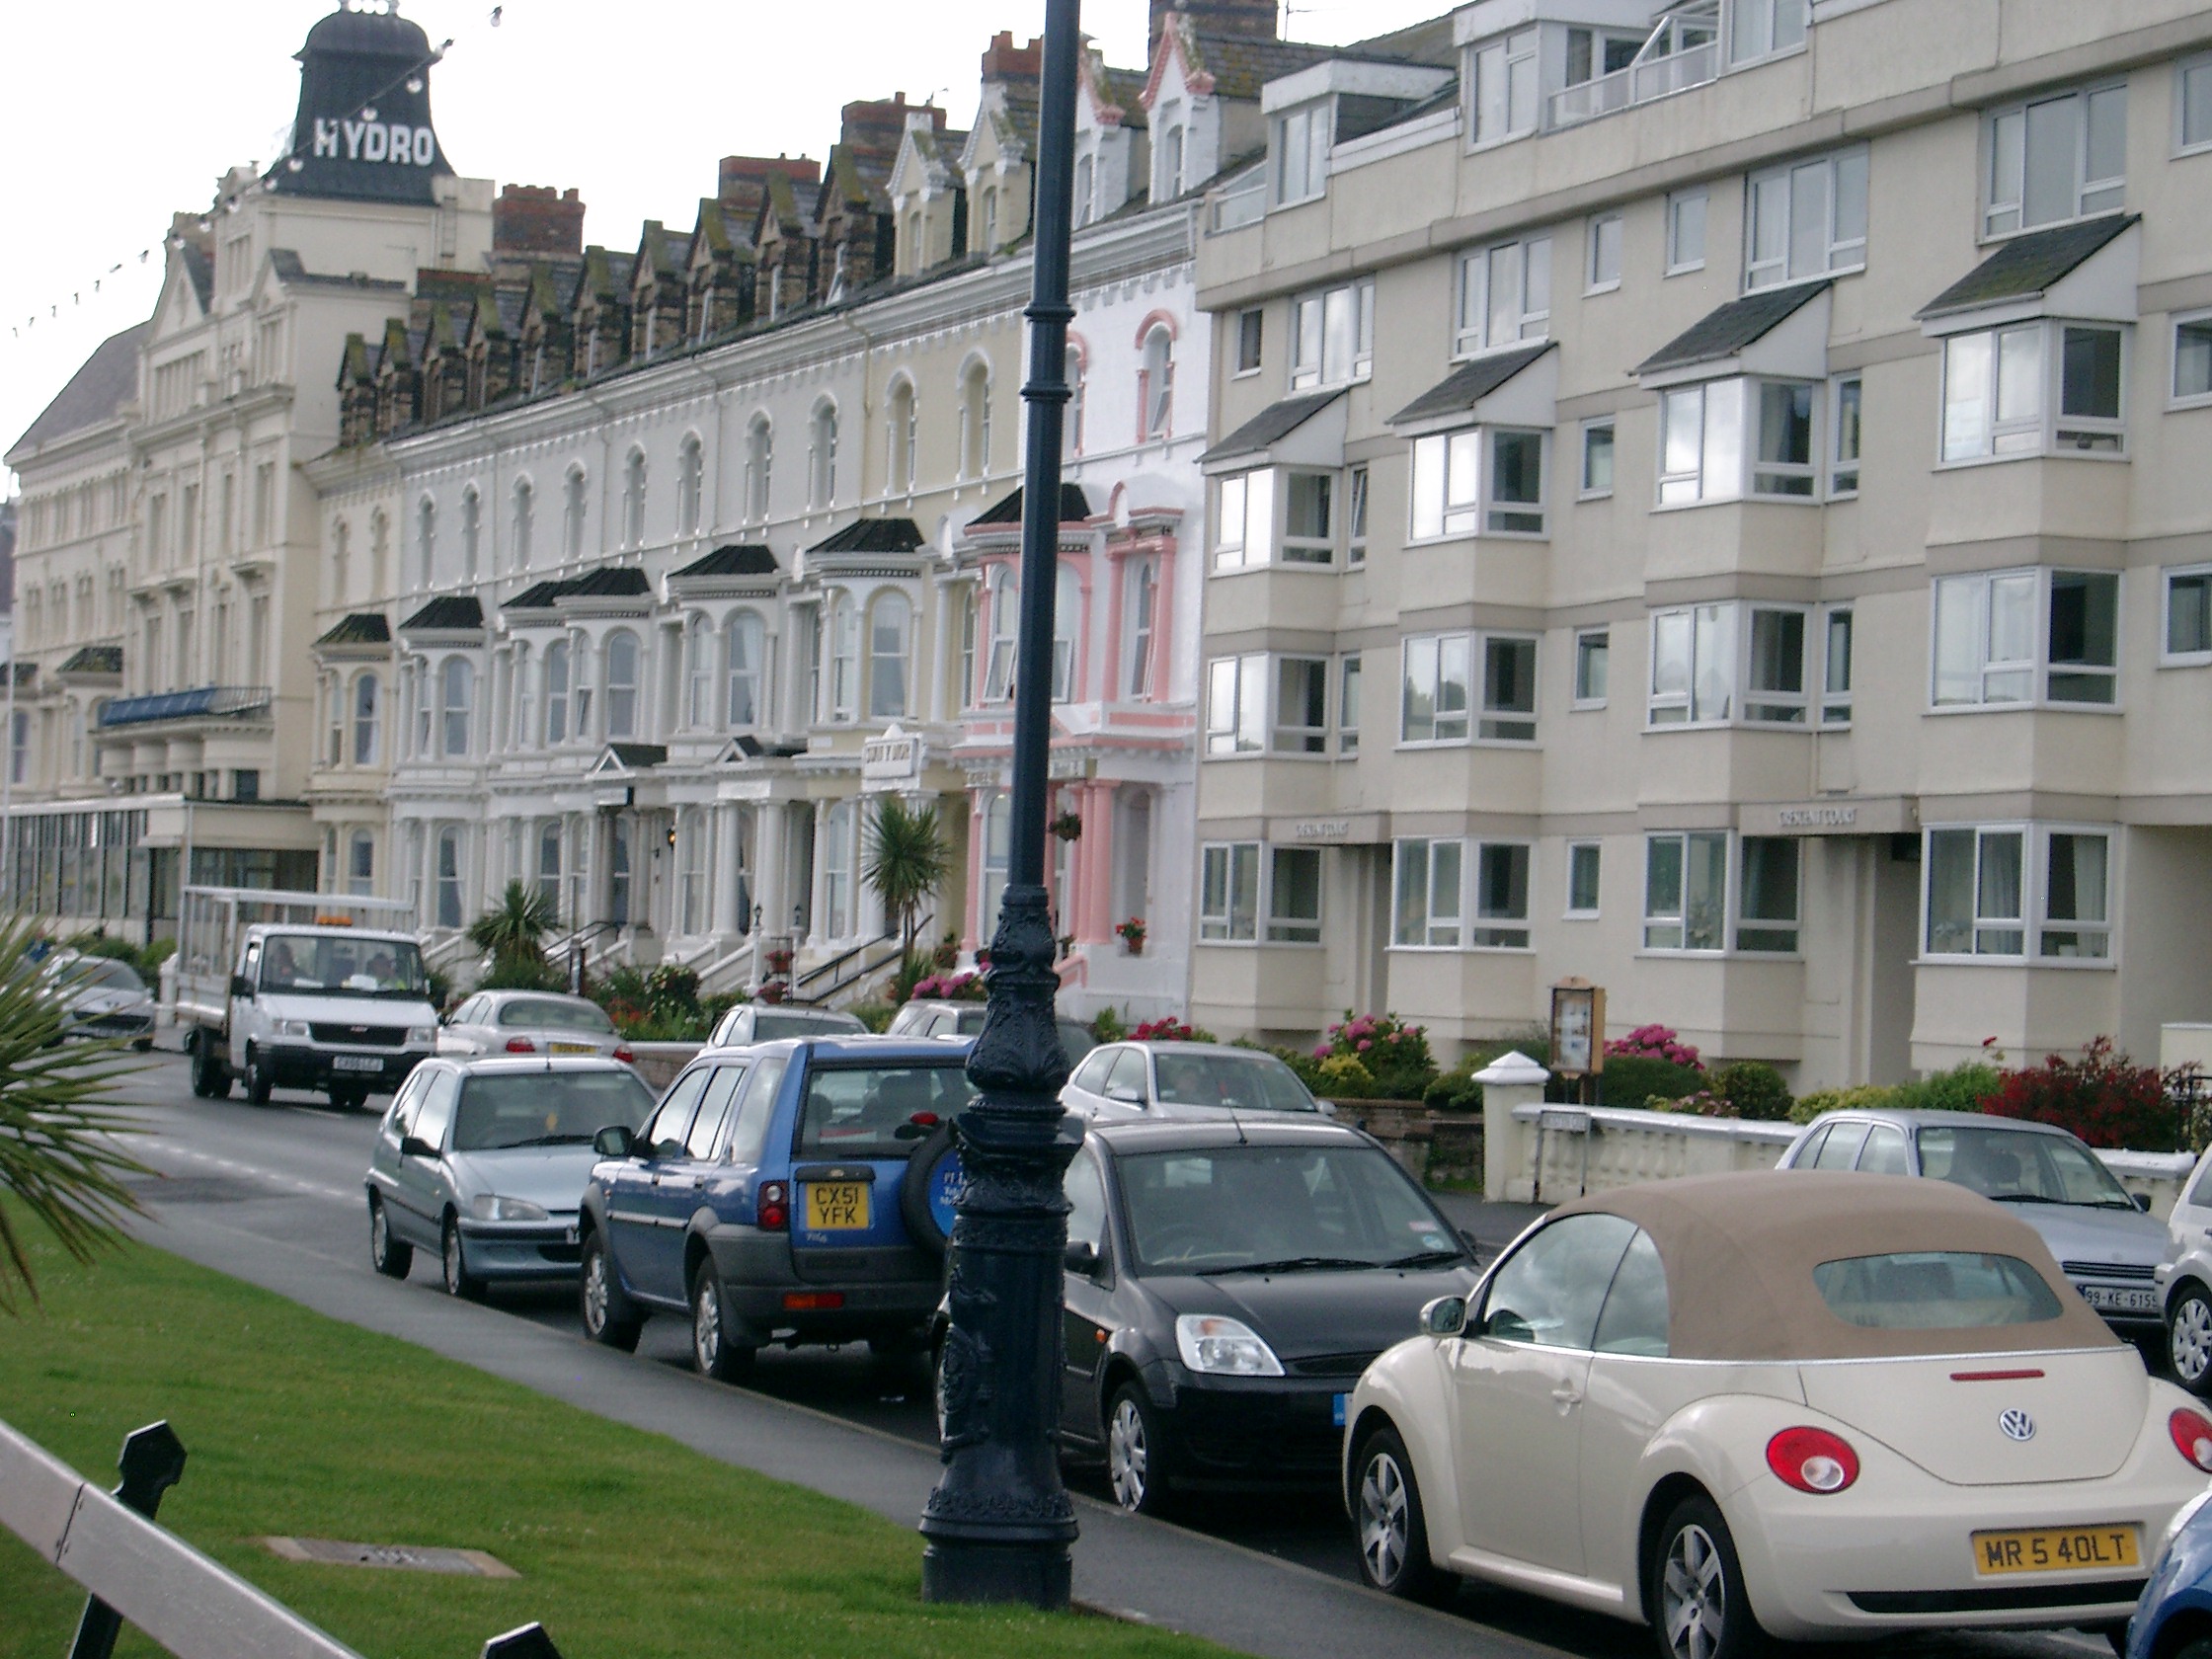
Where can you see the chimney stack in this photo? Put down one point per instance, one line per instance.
(741, 181)
(537, 220)
(1005, 62)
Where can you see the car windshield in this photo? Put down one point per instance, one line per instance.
(877, 1111)
(1934, 1290)
(1278, 1209)
(1252, 1083)
(2021, 1166)
(105, 973)
(332, 965)
(543, 1013)
(546, 1109)
(768, 1027)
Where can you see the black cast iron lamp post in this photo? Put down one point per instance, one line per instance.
(999, 1522)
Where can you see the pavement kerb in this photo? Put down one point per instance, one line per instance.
(1127, 1568)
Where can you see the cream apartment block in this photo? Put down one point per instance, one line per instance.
(1712, 501)
(662, 634)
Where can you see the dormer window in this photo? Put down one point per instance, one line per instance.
(1301, 154)
(1501, 77)
(1171, 162)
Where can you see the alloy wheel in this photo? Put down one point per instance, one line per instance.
(379, 1234)
(2189, 1344)
(1127, 1460)
(594, 1291)
(1694, 1595)
(707, 1329)
(1382, 1519)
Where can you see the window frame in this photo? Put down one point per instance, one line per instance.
(1580, 697)
(2202, 316)
(1595, 250)
(2050, 425)
(1312, 374)
(1474, 712)
(2037, 665)
(2167, 657)
(1994, 141)
(1315, 123)
(1351, 676)
(1251, 332)
(1771, 11)
(1836, 701)
(1743, 426)
(1475, 338)
(2183, 69)
(1584, 489)
(1252, 725)
(1733, 624)
(1656, 921)
(1842, 253)
(1514, 48)
(2033, 919)
(1485, 511)
(1468, 927)
(1222, 865)
(1674, 262)
(1590, 911)
(1841, 483)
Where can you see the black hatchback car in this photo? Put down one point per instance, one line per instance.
(1226, 1283)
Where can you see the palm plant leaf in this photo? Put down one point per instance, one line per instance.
(58, 1153)
(511, 929)
(908, 860)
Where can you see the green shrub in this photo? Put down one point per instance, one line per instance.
(1456, 1090)
(1866, 1098)
(1632, 1079)
(1109, 1026)
(1962, 1088)
(876, 1016)
(1391, 1052)
(1344, 1077)
(1752, 1090)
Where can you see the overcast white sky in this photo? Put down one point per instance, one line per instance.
(117, 115)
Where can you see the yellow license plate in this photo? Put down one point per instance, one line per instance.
(574, 1047)
(836, 1206)
(2037, 1549)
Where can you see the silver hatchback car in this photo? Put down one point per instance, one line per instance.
(484, 1161)
(2108, 1249)
(2184, 1281)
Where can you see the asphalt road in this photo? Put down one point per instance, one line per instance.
(290, 1173)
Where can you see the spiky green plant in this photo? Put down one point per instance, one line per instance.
(512, 929)
(58, 1153)
(908, 861)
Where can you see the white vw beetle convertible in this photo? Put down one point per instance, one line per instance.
(1804, 1404)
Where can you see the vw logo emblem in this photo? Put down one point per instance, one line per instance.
(2017, 1425)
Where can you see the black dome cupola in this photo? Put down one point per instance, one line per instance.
(363, 129)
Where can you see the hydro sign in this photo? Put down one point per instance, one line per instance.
(368, 140)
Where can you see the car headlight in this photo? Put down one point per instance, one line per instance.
(1224, 1347)
(420, 1036)
(490, 1207)
(292, 1028)
(2181, 1518)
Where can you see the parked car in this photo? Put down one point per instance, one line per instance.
(523, 1022)
(2174, 1618)
(1121, 1080)
(2184, 1281)
(965, 1019)
(767, 1200)
(2107, 1247)
(1854, 1404)
(1226, 1285)
(765, 1022)
(484, 1160)
(102, 997)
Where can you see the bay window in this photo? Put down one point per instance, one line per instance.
(1807, 219)
(1483, 480)
(1835, 688)
(1239, 881)
(1293, 896)
(1348, 704)
(1503, 296)
(1275, 514)
(1433, 901)
(1005, 625)
(1767, 902)
(1709, 660)
(1842, 461)
(1686, 891)
(1309, 518)
(1256, 702)
(1301, 705)
(1721, 440)
(1236, 704)
(1436, 690)
(1332, 336)
(2054, 158)
(1244, 520)
(1229, 892)
(2033, 388)
(1997, 632)
(2017, 891)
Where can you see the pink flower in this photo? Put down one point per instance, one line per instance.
(1365, 1045)
(1321, 1051)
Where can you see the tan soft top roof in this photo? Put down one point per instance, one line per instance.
(1740, 1251)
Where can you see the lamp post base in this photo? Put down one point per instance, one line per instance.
(1034, 1574)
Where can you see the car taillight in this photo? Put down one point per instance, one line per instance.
(2192, 1436)
(812, 1302)
(624, 1053)
(774, 1211)
(521, 1045)
(1815, 1460)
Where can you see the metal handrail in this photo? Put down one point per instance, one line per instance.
(891, 936)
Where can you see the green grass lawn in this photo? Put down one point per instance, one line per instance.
(628, 1544)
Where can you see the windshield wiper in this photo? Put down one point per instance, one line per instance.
(540, 1141)
(1289, 1264)
(1426, 1258)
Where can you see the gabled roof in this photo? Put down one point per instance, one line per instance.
(632, 757)
(660, 253)
(1272, 425)
(1725, 331)
(1234, 65)
(93, 659)
(363, 627)
(103, 384)
(873, 535)
(1075, 507)
(1117, 95)
(450, 614)
(2026, 266)
(1471, 382)
(735, 559)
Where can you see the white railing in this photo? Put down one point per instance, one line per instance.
(153, 1580)
(1237, 204)
(732, 970)
(1683, 51)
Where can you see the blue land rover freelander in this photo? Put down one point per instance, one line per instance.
(768, 1196)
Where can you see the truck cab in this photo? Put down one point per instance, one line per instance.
(336, 1010)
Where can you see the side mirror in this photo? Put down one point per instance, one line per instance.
(1445, 1316)
(1082, 1257)
(239, 985)
(615, 1140)
(2142, 1202)
(1125, 1094)
(414, 1146)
